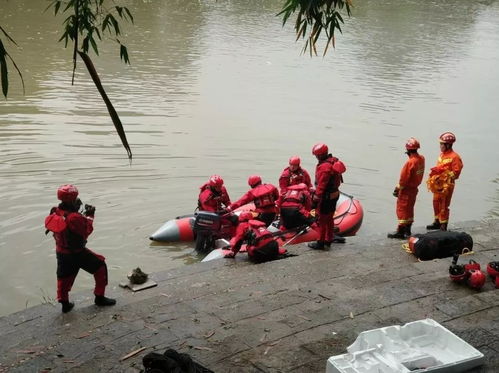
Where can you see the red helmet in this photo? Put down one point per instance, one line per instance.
(477, 279)
(294, 161)
(319, 149)
(245, 216)
(215, 181)
(447, 138)
(457, 273)
(67, 193)
(493, 269)
(472, 265)
(412, 144)
(254, 180)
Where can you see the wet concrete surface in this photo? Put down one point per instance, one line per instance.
(284, 316)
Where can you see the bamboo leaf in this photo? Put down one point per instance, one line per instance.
(124, 54)
(84, 46)
(3, 70)
(119, 10)
(105, 23)
(18, 71)
(129, 14)
(57, 7)
(94, 45)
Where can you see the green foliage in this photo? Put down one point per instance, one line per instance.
(318, 16)
(89, 21)
(4, 72)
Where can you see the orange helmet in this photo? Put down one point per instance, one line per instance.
(319, 149)
(412, 144)
(447, 138)
(215, 181)
(67, 193)
(254, 180)
(294, 161)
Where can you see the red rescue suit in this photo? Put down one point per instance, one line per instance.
(289, 178)
(264, 196)
(71, 230)
(261, 246)
(327, 181)
(212, 200)
(295, 207)
(448, 160)
(411, 176)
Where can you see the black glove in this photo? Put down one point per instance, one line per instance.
(396, 192)
(89, 210)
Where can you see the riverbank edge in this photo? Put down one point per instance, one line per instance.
(284, 316)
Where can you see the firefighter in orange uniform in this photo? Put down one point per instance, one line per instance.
(446, 172)
(406, 191)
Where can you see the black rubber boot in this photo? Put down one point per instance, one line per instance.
(434, 225)
(408, 232)
(101, 300)
(67, 306)
(443, 226)
(319, 245)
(338, 239)
(399, 233)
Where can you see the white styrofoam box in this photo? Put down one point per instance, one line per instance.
(418, 346)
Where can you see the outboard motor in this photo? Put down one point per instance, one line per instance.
(207, 225)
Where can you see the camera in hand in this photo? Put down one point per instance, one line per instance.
(89, 210)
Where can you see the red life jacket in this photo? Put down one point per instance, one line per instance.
(335, 178)
(294, 196)
(264, 195)
(64, 237)
(295, 178)
(257, 235)
(212, 200)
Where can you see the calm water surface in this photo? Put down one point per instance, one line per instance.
(220, 87)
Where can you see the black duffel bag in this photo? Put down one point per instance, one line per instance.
(440, 244)
(171, 361)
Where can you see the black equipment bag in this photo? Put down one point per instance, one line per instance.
(171, 361)
(440, 244)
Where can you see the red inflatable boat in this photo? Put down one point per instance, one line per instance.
(348, 218)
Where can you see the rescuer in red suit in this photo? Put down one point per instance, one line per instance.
(213, 195)
(264, 196)
(328, 178)
(261, 245)
(294, 175)
(406, 190)
(295, 207)
(71, 230)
